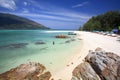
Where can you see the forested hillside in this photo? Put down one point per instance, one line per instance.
(10, 21)
(103, 22)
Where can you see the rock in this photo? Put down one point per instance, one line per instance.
(62, 36)
(79, 38)
(44, 48)
(29, 71)
(84, 71)
(105, 64)
(19, 45)
(72, 39)
(14, 46)
(38, 43)
(45, 76)
(68, 41)
(74, 78)
(98, 49)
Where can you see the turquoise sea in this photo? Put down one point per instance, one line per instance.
(23, 46)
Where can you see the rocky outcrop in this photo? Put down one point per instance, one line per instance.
(29, 71)
(62, 36)
(106, 65)
(84, 71)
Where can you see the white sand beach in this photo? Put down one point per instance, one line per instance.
(90, 42)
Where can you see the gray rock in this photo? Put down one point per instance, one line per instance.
(74, 78)
(71, 40)
(39, 42)
(14, 46)
(84, 71)
(105, 64)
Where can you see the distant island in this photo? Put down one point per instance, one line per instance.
(103, 22)
(13, 22)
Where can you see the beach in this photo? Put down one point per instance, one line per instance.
(61, 58)
(90, 41)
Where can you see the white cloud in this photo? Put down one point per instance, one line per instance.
(70, 14)
(80, 5)
(25, 3)
(9, 4)
(25, 10)
(53, 17)
(38, 5)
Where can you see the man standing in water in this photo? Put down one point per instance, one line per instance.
(53, 42)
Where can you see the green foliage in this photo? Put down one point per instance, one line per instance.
(9, 21)
(103, 22)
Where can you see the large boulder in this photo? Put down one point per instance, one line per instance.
(29, 71)
(105, 64)
(84, 71)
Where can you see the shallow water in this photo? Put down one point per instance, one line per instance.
(22, 46)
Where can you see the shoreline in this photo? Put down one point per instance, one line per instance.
(90, 42)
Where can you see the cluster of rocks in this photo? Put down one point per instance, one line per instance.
(62, 36)
(14, 46)
(29, 71)
(19, 45)
(39, 43)
(98, 65)
(68, 41)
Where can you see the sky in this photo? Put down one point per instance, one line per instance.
(59, 14)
